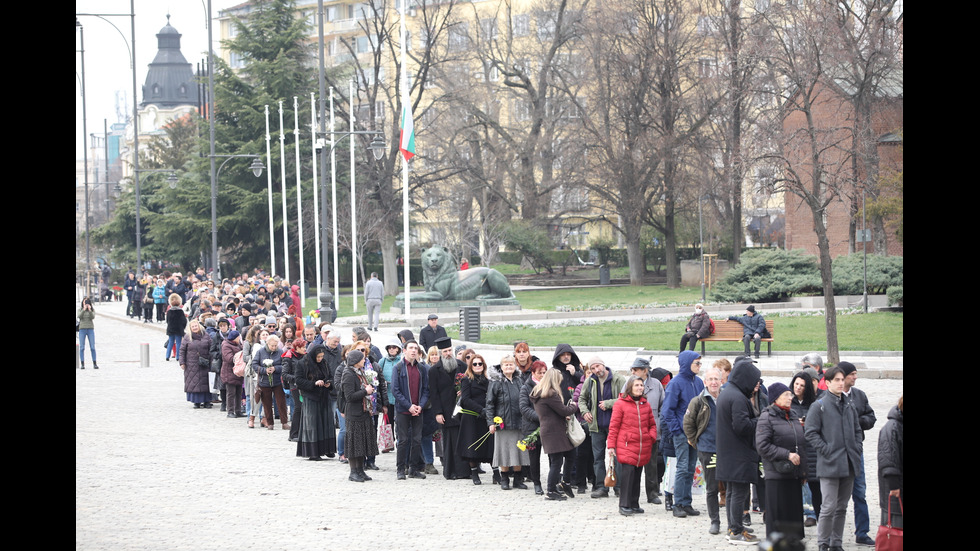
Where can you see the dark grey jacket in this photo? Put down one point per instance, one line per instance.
(504, 401)
(832, 429)
(777, 435)
(866, 415)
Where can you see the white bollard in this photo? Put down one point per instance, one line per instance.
(144, 354)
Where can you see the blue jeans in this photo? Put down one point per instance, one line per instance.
(862, 520)
(82, 335)
(343, 431)
(687, 461)
(171, 341)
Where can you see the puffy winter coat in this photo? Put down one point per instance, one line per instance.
(632, 430)
(228, 351)
(700, 325)
(504, 401)
(891, 458)
(191, 348)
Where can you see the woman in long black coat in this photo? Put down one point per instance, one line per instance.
(780, 441)
(361, 441)
(315, 383)
(473, 397)
(891, 465)
(196, 345)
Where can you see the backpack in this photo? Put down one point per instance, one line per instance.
(239, 366)
(712, 325)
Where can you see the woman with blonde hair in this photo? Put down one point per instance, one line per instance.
(546, 397)
(504, 401)
(176, 324)
(193, 349)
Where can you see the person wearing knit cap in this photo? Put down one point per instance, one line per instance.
(867, 420)
(778, 438)
(753, 326)
(599, 394)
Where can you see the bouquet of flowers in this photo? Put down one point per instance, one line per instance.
(530, 441)
(267, 364)
(498, 422)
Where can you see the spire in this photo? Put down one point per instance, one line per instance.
(169, 80)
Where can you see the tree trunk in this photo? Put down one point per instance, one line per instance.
(827, 277)
(670, 242)
(634, 255)
(389, 256)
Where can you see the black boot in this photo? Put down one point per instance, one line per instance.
(355, 472)
(496, 476)
(669, 501)
(519, 480)
(475, 475)
(504, 480)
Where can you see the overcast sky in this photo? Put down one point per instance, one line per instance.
(107, 59)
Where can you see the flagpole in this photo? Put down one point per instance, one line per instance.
(268, 162)
(333, 204)
(353, 212)
(282, 168)
(316, 198)
(299, 209)
(406, 112)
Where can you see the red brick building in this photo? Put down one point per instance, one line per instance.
(833, 116)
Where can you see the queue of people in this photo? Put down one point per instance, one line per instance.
(596, 426)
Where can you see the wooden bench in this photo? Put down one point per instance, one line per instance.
(732, 331)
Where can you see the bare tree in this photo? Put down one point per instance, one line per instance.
(809, 133)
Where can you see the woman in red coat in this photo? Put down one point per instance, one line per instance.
(632, 432)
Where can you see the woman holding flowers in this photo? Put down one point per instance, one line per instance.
(552, 413)
(632, 432)
(504, 403)
(530, 425)
(360, 440)
(475, 442)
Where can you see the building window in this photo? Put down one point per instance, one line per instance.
(488, 28)
(522, 24)
(546, 27)
(458, 36)
(707, 67)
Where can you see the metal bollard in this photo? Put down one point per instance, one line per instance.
(144, 354)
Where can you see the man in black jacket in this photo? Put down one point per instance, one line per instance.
(443, 376)
(431, 333)
(737, 459)
(867, 419)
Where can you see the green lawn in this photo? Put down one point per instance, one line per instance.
(596, 298)
(875, 331)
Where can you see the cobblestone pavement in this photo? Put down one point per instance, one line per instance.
(151, 472)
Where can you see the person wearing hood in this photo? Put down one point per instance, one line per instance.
(391, 357)
(406, 335)
(891, 466)
(680, 391)
(314, 379)
(738, 461)
(568, 363)
(780, 441)
(698, 327)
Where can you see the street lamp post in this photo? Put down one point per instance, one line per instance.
(377, 148)
(257, 168)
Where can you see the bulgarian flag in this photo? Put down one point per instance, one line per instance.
(407, 142)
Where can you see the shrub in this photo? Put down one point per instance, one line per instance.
(884, 272)
(765, 275)
(895, 293)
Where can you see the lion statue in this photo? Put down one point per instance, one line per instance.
(444, 282)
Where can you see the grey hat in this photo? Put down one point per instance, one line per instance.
(353, 357)
(640, 363)
(270, 320)
(433, 316)
(812, 373)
